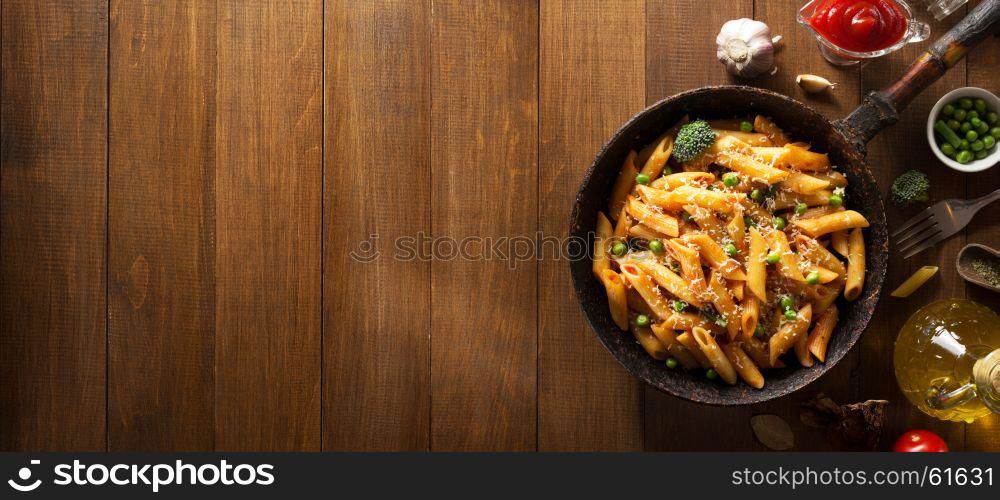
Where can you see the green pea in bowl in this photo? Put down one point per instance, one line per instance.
(963, 129)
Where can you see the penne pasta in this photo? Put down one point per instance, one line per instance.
(774, 133)
(737, 230)
(653, 166)
(716, 257)
(855, 264)
(758, 352)
(671, 181)
(738, 156)
(676, 199)
(757, 265)
(802, 159)
(724, 304)
(802, 350)
(838, 242)
(744, 365)
(638, 304)
(707, 222)
(803, 183)
(649, 342)
(845, 219)
(710, 348)
(657, 221)
(786, 199)
(602, 239)
(750, 138)
(668, 339)
(622, 225)
(789, 332)
(643, 284)
(687, 321)
(617, 302)
(687, 340)
(915, 281)
(623, 184)
(690, 263)
(645, 232)
(788, 263)
(820, 335)
(836, 179)
(671, 282)
(749, 316)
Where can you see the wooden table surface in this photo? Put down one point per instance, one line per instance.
(183, 183)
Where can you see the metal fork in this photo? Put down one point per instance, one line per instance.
(938, 222)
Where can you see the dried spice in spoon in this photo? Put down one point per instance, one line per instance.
(988, 270)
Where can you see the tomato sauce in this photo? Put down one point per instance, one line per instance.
(860, 25)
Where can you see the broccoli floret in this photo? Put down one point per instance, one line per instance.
(911, 187)
(692, 139)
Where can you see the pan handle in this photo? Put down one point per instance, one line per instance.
(881, 109)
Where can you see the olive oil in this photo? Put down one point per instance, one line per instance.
(947, 360)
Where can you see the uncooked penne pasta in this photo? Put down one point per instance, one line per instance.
(855, 264)
(743, 365)
(789, 333)
(710, 348)
(623, 184)
(617, 301)
(845, 219)
(668, 338)
(649, 342)
(602, 239)
(687, 340)
(820, 335)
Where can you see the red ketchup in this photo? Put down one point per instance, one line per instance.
(860, 25)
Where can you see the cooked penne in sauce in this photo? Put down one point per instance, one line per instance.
(731, 262)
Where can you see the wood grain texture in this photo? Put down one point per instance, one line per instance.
(268, 207)
(483, 155)
(162, 227)
(668, 420)
(376, 314)
(983, 61)
(895, 150)
(53, 200)
(797, 54)
(590, 81)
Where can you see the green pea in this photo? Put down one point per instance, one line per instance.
(983, 129)
(971, 135)
(965, 103)
(642, 320)
(748, 222)
(756, 195)
(679, 305)
(963, 145)
(656, 246)
(976, 122)
(710, 187)
(971, 115)
(948, 149)
(671, 363)
(982, 154)
(667, 170)
(619, 249)
(642, 179)
(978, 146)
(787, 302)
(791, 315)
(731, 249)
(813, 278)
(964, 157)
(773, 257)
(995, 132)
(711, 374)
(730, 179)
(954, 124)
(980, 105)
(779, 223)
(800, 208)
(759, 331)
(989, 141)
(965, 127)
(948, 110)
(836, 200)
(746, 126)
(686, 217)
(959, 114)
(992, 118)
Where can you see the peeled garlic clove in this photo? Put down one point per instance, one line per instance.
(814, 84)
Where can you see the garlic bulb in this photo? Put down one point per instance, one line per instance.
(813, 83)
(746, 48)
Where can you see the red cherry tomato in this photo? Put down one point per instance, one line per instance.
(920, 441)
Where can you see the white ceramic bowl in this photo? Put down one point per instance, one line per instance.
(971, 92)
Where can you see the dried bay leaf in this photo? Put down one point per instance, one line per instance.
(772, 431)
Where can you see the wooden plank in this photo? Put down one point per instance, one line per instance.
(798, 53)
(268, 208)
(161, 359)
(376, 338)
(983, 434)
(674, 63)
(53, 329)
(484, 131)
(590, 81)
(894, 151)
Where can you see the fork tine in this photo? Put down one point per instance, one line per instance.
(930, 233)
(925, 213)
(927, 244)
(915, 230)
